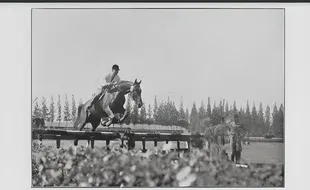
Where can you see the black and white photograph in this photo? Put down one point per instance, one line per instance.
(157, 97)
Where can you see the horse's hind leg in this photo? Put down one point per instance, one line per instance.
(82, 122)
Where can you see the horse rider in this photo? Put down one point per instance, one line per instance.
(111, 79)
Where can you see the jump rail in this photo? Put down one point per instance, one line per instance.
(110, 134)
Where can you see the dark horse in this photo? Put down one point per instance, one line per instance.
(116, 102)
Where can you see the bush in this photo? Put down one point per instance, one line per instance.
(85, 167)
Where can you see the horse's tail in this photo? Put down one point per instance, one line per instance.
(80, 109)
(78, 116)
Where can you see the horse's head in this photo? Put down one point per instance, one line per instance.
(135, 93)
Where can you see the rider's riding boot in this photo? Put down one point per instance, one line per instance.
(93, 101)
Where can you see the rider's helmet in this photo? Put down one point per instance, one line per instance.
(115, 67)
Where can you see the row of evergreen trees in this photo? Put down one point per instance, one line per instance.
(48, 113)
(260, 122)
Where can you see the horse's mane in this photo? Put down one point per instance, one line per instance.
(124, 85)
(125, 82)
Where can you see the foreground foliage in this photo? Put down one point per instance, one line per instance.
(84, 167)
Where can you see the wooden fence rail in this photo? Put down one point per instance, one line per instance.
(129, 135)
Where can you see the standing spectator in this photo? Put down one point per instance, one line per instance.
(236, 137)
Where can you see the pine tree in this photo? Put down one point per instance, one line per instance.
(59, 109)
(174, 114)
(181, 111)
(220, 108)
(67, 115)
(248, 118)
(235, 108)
(127, 121)
(155, 114)
(216, 116)
(81, 102)
(254, 120)
(280, 128)
(267, 121)
(52, 110)
(274, 119)
(261, 120)
(73, 110)
(194, 117)
(161, 114)
(142, 115)
(226, 109)
(202, 112)
(241, 109)
(135, 115)
(149, 116)
(242, 115)
(36, 110)
(261, 111)
(209, 111)
(166, 113)
(44, 109)
(149, 112)
(187, 114)
(248, 113)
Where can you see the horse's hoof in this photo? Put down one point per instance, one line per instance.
(108, 123)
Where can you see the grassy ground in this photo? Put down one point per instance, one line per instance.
(254, 153)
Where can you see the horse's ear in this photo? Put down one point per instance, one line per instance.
(140, 82)
(136, 81)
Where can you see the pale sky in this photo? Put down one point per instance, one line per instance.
(195, 54)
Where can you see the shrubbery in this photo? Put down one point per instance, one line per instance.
(85, 167)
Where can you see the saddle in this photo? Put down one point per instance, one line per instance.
(110, 89)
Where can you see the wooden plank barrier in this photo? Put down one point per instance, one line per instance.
(109, 135)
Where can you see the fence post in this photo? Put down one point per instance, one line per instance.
(155, 142)
(108, 144)
(131, 143)
(40, 138)
(189, 145)
(92, 142)
(58, 141)
(76, 141)
(122, 145)
(143, 145)
(178, 144)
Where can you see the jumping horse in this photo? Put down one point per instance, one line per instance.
(116, 99)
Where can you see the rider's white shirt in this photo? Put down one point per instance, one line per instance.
(106, 80)
(109, 76)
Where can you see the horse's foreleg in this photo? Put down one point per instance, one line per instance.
(110, 114)
(126, 114)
